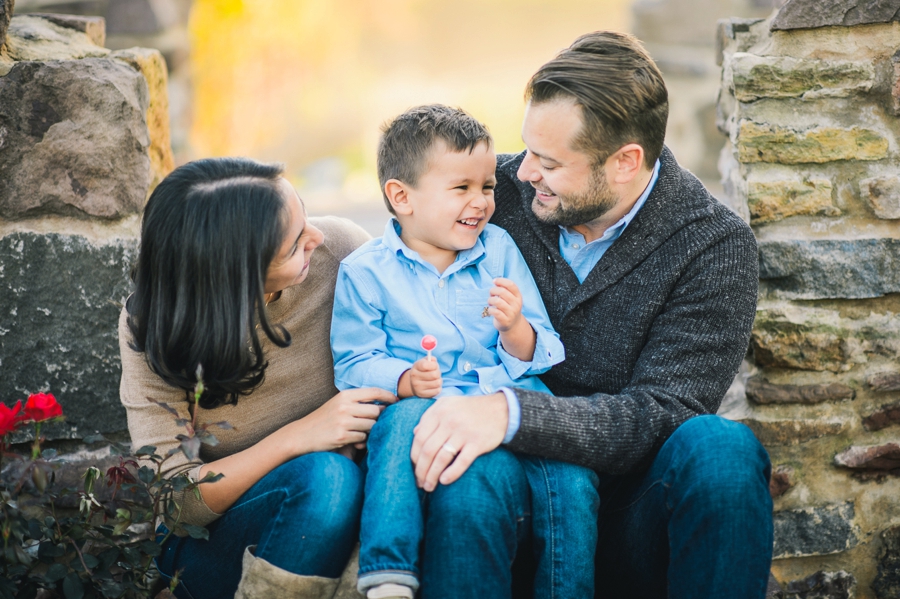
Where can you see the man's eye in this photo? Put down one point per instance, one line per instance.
(547, 168)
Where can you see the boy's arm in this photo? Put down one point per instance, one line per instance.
(517, 336)
(358, 340)
(548, 349)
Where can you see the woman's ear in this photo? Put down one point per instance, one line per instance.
(396, 193)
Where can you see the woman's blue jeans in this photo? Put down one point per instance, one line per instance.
(303, 517)
(563, 510)
(696, 524)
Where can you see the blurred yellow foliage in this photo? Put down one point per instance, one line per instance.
(300, 81)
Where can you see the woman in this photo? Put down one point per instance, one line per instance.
(232, 276)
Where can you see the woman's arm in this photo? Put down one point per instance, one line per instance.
(345, 419)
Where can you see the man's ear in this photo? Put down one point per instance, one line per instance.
(396, 193)
(626, 163)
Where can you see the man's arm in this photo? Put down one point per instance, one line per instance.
(692, 352)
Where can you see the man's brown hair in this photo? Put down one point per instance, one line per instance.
(619, 88)
(407, 141)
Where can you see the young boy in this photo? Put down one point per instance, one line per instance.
(440, 269)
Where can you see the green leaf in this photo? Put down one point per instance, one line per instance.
(180, 483)
(146, 450)
(49, 454)
(95, 438)
(191, 447)
(151, 548)
(56, 572)
(146, 474)
(90, 561)
(72, 587)
(196, 532)
(34, 530)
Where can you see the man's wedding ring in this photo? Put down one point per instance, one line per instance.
(450, 448)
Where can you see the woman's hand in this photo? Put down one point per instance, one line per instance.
(345, 419)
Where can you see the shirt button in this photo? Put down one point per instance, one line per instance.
(441, 283)
(575, 245)
(467, 367)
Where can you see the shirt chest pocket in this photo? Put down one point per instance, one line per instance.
(471, 315)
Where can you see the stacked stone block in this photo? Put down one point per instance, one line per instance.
(83, 139)
(810, 102)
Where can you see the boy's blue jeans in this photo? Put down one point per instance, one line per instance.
(303, 517)
(563, 512)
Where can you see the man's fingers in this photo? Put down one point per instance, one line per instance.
(443, 456)
(458, 467)
(422, 432)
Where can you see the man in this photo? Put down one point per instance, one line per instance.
(651, 284)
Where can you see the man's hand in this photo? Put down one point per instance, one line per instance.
(422, 380)
(457, 430)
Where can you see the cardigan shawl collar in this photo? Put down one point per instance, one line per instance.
(674, 202)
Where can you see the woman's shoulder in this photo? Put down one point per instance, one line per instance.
(342, 235)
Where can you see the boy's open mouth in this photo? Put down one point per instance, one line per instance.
(469, 222)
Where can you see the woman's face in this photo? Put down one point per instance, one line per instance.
(291, 263)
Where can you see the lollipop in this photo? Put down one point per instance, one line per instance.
(428, 344)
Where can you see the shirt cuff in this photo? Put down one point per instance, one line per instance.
(515, 414)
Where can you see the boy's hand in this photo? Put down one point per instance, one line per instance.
(424, 379)
(505, 304)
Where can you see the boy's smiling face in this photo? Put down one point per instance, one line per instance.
(449, 206)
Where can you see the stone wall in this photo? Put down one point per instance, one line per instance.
(84, 137)
(810, 102)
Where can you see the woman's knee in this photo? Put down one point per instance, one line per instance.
(323, 482)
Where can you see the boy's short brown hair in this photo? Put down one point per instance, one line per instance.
(619, 88)
(407, 140)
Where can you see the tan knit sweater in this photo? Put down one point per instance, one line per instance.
(299, 378)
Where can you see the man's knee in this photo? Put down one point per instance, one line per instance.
(493, 487)
(718, 454)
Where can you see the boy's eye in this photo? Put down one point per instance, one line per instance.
(462, 187)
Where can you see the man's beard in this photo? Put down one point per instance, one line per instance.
(581, 208)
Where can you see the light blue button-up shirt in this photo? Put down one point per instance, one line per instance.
(387, 297)
(582, 257)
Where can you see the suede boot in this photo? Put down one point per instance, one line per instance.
(347, 587)
(262, 580)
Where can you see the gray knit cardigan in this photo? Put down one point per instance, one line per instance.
(654, 335)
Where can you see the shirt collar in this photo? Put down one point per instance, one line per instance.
(623, 222)
(392, 241)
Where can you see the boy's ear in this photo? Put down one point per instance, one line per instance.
(396, 193)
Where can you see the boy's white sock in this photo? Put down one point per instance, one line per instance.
(389, 590)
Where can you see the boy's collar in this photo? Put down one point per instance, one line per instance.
(391, 240)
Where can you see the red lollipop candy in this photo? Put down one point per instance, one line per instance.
(428, 344)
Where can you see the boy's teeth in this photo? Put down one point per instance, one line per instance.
(470, 221)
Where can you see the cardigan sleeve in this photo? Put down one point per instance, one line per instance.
(692, 352)
(150, 424)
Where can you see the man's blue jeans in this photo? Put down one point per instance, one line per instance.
(697, 524)
(303, 517)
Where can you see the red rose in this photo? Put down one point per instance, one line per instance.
(10, 417)
(42, 406)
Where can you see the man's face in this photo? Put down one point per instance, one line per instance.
(569, 188)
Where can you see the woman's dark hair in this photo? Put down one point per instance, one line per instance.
(209, 232)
